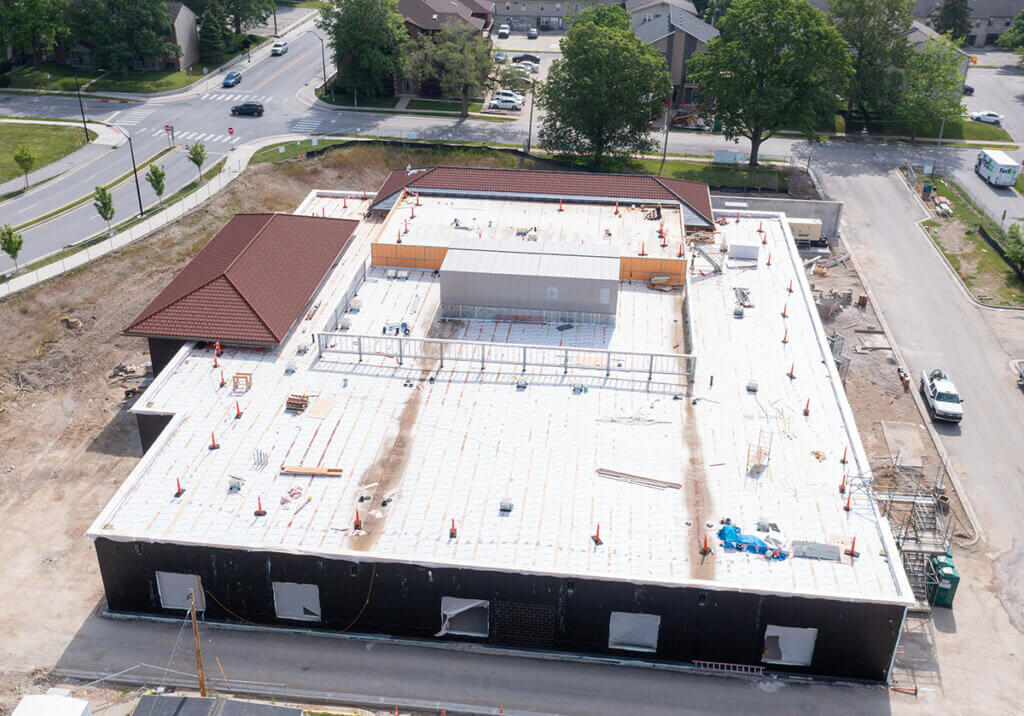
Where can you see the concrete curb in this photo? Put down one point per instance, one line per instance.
(954, 475)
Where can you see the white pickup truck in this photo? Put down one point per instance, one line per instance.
(941, 396)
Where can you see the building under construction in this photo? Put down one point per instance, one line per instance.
(546, 410)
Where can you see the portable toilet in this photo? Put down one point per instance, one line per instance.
(948, 577)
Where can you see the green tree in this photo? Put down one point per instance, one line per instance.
(212, 33)
(603, 15)
(876, 33)
(369, 45)
(32, 25)
(11, 242)
(197, 155)
(954, 17)
(121, 31)
(1012, 38)
(511, 78)
(156, 177)
(714, 10)
(1015, 246)
(931, 85)
(600, 96)
(776, 64)
(247, 13)
(25, 159)
(104, 203)
(458, 57)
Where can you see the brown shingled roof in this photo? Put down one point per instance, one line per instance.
(250, 283)
(642, 187)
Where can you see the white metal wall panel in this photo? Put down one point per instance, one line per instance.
(174, 588)
(297, 601)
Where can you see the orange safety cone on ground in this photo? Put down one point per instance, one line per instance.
(597, 535)
(213, 441)
(259, 507)
(181, 490)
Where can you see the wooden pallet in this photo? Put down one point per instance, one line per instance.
(315, 471)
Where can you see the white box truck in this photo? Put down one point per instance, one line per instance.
(997, 168)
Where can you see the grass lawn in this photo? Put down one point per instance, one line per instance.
(344, 99)
(984, 272)
(50, 76)
(714, 174)
(287, 150)
(144, 82)
(48, 142)
(442, 105)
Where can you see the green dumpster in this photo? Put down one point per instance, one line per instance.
(716, 126)
(948, 580)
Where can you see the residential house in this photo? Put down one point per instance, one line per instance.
(427, 17)
(183, 32)
(672, 26)
(989, 18)
(542, 14)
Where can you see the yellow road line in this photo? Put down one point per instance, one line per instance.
(286, 67)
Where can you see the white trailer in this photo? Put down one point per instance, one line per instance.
(997, 168)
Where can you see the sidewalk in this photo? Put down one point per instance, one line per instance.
(235, 164)
(107, 138)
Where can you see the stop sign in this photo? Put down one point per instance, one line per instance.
(167, 128)
(231, 130)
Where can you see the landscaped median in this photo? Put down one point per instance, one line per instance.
(959, 236)
(46, 142)
(419, 106)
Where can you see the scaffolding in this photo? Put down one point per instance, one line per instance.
(483, 355)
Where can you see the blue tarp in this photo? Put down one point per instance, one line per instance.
(733, 538)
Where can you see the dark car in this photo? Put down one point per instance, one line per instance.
(516, 59)
(253, 108)
(968, 89)
(232, 78)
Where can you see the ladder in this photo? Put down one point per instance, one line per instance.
(758, 454)
(715, 261)
(722, 667)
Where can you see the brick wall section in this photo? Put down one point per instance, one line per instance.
(526, 626)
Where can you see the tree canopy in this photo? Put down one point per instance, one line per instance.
(954, 17)
(120, 31)
(932, 84)
(213, 32)
(458, 57)
(876, 33)
(32, 25)
(600, 96)
(776, 64)
(1012, 38)
(369, 43)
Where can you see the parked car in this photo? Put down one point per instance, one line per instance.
(941, 397)
(232, 78)
(505, 103)
(968, 89)
(500, 57)
(253, 108)
(988, 117)
(529, 66)
(279, 48)
(508, 93)
(532, 34)
(504, 31)
(527, 57)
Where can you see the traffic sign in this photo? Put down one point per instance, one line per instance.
(231, 130)
(167, 128)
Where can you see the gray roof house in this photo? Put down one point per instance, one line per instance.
(672, 26)
(988, 18)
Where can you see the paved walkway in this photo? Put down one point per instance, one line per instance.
(107, 137)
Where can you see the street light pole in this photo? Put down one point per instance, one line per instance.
(529, 131)
(81, 108)
(323, 60)
(275, 19)
(135, 171)
(942, 127)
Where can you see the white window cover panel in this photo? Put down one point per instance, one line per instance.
(606, 296)
(464, 617)
(633, 632)
(297, 601)
(792, 646)
(174, 588)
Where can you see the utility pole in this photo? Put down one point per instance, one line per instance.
(664, 149)
(529, 132)
(199, 649)
(81, 108)
(135, 171)
(323, 61)
(275, 19)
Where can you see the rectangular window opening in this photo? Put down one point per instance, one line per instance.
(297, 601)
(633, 632)
(174, 588)
(792, 646)
(464, 617)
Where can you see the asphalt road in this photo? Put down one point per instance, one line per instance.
(381, 673)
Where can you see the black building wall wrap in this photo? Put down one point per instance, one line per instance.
(855, 639)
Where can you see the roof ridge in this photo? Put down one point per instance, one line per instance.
(251, 307)
(145, 317)
(248, 243)
(677, 196)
